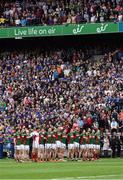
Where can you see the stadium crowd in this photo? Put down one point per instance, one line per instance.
(61, 100)
(52, 12)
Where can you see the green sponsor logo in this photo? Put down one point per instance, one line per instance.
(59, 30)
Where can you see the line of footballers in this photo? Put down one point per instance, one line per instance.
(52, 144)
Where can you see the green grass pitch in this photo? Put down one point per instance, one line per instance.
(101, 169)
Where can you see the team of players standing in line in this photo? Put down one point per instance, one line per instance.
(52, 144)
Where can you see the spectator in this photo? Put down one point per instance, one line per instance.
(114, 126)
(23, 22)
(17, 22)
(2, 21)
(113, 145)
(121, 115)
(60, 88)
(52, 13)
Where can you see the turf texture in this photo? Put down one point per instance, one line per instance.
(101, 169)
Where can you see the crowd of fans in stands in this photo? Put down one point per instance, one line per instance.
(61, 88)
(32, 12)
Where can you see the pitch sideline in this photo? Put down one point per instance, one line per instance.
(79, 178)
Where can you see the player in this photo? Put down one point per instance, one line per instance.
(26, 145)
(76, 143)
(17, 143)
(41, 151)
(48, 144)
(58, 143)
(22, 146)
(86, 152)
(53, 145)
(63, 144)
(71, 145)
(82, 144)
(92, 144)
(35, 144)
(97, 144)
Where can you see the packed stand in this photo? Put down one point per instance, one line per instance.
(60, 95)
(32, 12)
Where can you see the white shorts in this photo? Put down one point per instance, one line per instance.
(97, 146)
(63, 146)
(41, 146)
(53, 146)
(83, 146)
(22, 147)
(76, 144)
(70, 146)
(58, 144)
(48, 146)
(88, 146)
(26, 147)
(93, 146)
(35, 145)
(17, 147)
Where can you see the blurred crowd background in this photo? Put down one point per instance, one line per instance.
(75, 86)
(53, 12)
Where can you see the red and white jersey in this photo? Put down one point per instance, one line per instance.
(35, 136)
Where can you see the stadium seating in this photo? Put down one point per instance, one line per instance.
(60, 88)
(63, 87)
(31, 12)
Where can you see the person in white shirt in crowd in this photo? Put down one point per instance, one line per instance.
(114, 126)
